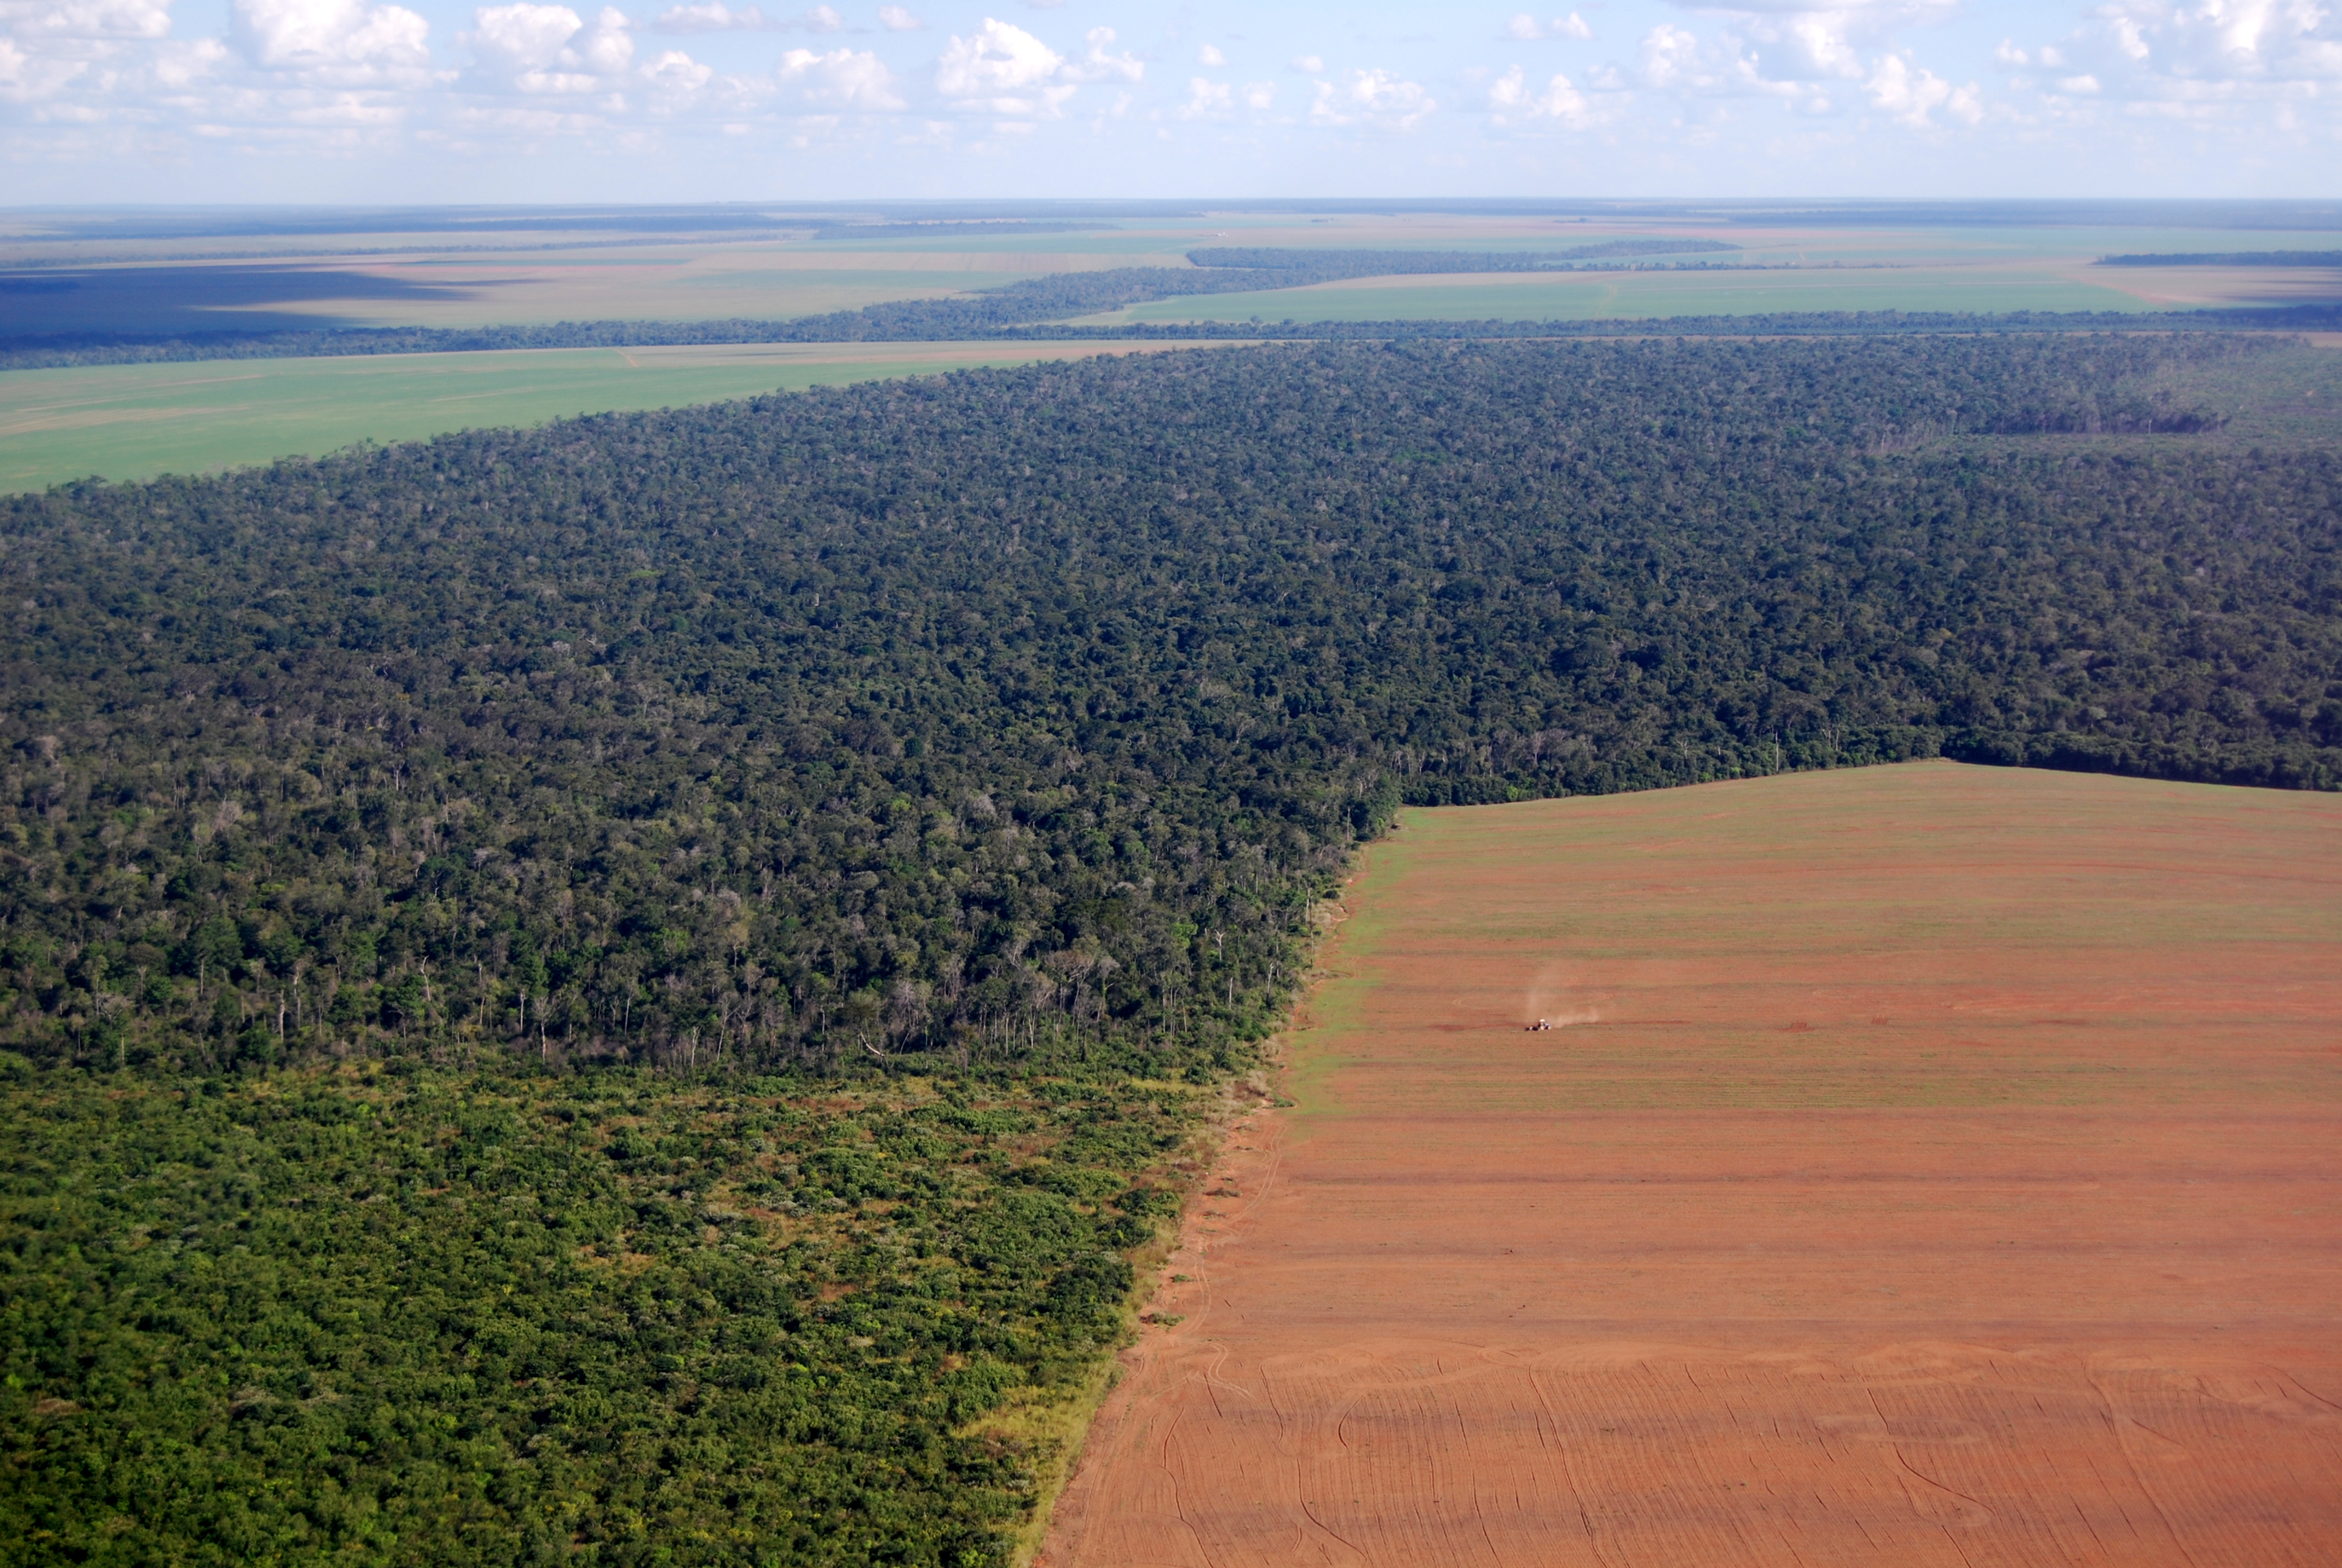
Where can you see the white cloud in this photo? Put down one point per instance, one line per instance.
(1373, 98)
(1309, 64)
(1677, 60)
(2202, 62)
(822, 19)
(1210, 100)
(332, 41)
(1820, 44)
(843, 77)
(549, 49)
(30, 76)
(87, 19)
(708, 17)
(182, 65)
(1096, 66)
(1210, 55)
(1206, 98)
(1001, 70)
(894, 19)
(676, 78)
(1785, 48)
(523, 36)
(1670, 55)
(1527, 29)
(2140, 50)
(1911, 93)
(1796, 57)
(1510, 97)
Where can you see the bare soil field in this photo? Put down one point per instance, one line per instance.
(1929, 1165)
(2185, 286)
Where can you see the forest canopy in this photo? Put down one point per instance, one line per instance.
(953, 716)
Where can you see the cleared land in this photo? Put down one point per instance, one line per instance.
(770, 282)
(129, 421)
(2181, 287)
(458, 280)
(1935, 1166)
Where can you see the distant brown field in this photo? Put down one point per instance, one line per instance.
(2186, 287)
(1932, 1165)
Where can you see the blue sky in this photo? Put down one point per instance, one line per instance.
(673, 100)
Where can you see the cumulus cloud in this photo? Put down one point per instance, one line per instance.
(49, 47)
(1210, 100)
(675, 79)
(1309, 64)
(1001, 69)
(31, 75)
(180, 65)
(85, 19)
(1527, 29)
(1097, 65)
(549, 48)
(1790, 48)
(2222, 49)
(1372, 98)
(894, 19)
(1677, 60)
(1797, 56)
(334, 43)
(1209, 54)
(1911, 93)
(843, 77)
(822, 19)
(708, 16)
(1513, 99)
(523, 36)
(1206, 98)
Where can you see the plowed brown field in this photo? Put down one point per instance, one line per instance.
(1935, 1165)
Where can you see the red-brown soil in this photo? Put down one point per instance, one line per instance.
(1937, 1165)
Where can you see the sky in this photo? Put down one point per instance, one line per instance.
(367, 101)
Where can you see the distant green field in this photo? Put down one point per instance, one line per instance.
(1505, 298)
(135, 420)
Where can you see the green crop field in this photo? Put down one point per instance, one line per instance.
(1509, 298)
(134, 421)
(500, 291)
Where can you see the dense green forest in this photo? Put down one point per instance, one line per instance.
(2225, 258)
(745, 904)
